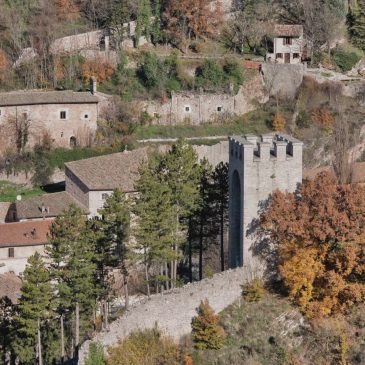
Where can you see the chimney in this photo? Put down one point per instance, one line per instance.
(93, 85)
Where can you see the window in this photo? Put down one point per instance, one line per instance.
(11, 252)
(104, 196)
(0, 112)
(25, 116)
(86, 116)
(187, 109)
(279, 55)
(219, 109)
(295, 55)
(63, 114)
(287, 41)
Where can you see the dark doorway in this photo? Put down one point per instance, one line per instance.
(287, 57)
(73, 142)
(236, 222)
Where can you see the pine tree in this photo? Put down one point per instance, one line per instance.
(143, 21)
(115, 227)
(356, 23)
(34, 312)
(153, 233)
(71, 251)
(206, 331)
(180, 169)
(220, 198)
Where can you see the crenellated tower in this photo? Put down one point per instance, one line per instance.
(257, 167)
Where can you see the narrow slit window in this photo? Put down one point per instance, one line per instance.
(11, 252)
(63, 114)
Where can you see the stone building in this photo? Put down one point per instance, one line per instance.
(19, 241)
(92, 180)
(69, 118)
(288, 44)
(257, 166)
(204, 107)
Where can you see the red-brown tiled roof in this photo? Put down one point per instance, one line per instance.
(30, 233)
(284, 30)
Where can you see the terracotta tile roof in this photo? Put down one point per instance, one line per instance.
(284, 30)
(31, 233)
(109, 172)
(55, 203)
(46, 97)
(10, 286)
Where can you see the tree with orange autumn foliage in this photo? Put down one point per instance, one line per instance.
(318, 235)
(323, 117)
(187, 19)
(278, 124)
(4, 65)
(101, 69)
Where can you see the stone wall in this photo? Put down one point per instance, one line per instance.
(174, 310)
(283, 80)
(214, 154)
(76, 188)
(202, 107)
(80, 122)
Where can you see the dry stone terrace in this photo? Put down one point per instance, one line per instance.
(174, 310)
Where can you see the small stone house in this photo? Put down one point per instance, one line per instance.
(92, 180)
(288, 44)
(19, 241)
(68, 117)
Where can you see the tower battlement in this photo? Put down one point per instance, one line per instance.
(265, 147)
(258, 165)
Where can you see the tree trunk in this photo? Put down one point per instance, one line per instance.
(62, 340)
(147, 281)
(201, 249)
(40, 359)
(77, 327)
(190, 254)
(167, 276)
(106, 314)
(222, 239)
(126, 294)
(172, 281)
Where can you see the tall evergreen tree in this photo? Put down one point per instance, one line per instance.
(115, 227)
(153, 233)
(71, 252)
(220, 192)
(144, 17)
(180, 169)
(356, 23)
(34, 313)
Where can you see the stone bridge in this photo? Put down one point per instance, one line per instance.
(174, 310)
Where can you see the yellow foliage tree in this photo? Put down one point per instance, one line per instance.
(101, 69)
(279, 122)
(323, 117)
(206, 331)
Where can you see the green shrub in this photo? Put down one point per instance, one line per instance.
(96, 355)
(211, 74)
(344, 60)
(253, 291)
(303, 119)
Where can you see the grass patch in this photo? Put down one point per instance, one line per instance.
(9, 191)
(59, 156)
(254, 122)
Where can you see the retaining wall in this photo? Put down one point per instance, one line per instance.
(173, 311)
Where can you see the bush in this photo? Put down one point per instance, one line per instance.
(278, 123)
(145, 347)
(210, 75)
(253, 291)
(345, 60)
(206, 331)
(96, 355)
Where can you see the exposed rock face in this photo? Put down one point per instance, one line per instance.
(173, 311)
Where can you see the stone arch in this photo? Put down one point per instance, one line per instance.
(73, 142)
(236, 222)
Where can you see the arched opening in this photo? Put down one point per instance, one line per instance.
(73, 142)
(236, 220)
